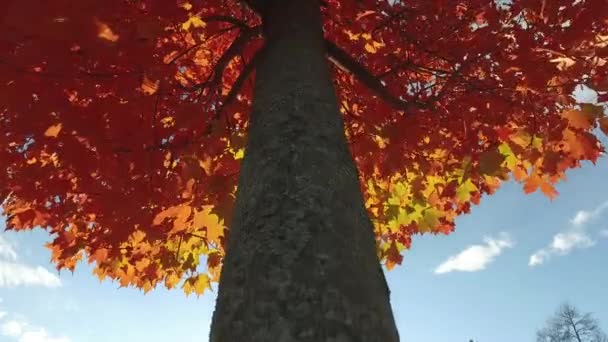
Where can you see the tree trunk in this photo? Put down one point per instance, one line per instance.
(301, 262)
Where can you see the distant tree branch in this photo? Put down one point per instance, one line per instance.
(569, 325)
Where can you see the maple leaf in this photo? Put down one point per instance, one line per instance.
(211, 222)
(105, 32)
(180, 213)
(53, 130)
(577, 119)
(563, 63)
(193, 21)
(490, 162)
(171, 280)
(148, 86)
(604, 125)
(99, 256)
(465, 189)
(393, 256)
(201, 283)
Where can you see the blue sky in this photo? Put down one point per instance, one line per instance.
(476, 283)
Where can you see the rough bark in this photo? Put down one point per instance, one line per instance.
(301, 262)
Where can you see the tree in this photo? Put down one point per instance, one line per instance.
(568, 324)
(125, 122)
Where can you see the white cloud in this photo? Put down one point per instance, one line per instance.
(538, 258)
(40, 335)
(476, 257)
(575, 238)
(583, 217)
(15, 274)
(6, 250)
(21, 331)
(562, 244)
(604, 233)
(12, 328)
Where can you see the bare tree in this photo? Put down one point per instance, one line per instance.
(569, 325)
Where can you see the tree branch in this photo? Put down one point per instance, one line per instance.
(243, 76)
(345, 62)
(230, 53)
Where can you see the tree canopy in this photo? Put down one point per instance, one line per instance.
(123, 121)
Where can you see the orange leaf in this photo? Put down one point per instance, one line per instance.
(53, 130)
(214, 226)
(532, 183)
(148, 86)
(99, 256)
(179, 212)
(548, 190)
(105, 32)
(578, 118)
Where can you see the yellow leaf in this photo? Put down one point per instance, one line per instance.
(430, 220)
(105, 32)
(510, 158)
(168, 121)
(464, 190)
(186, 5)
(352, 36)
(202, 282)
(147, 286)
(53, 130)
(193, 21)
(239, 154)
(205, 218)
(370, 48)
(171, 280)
